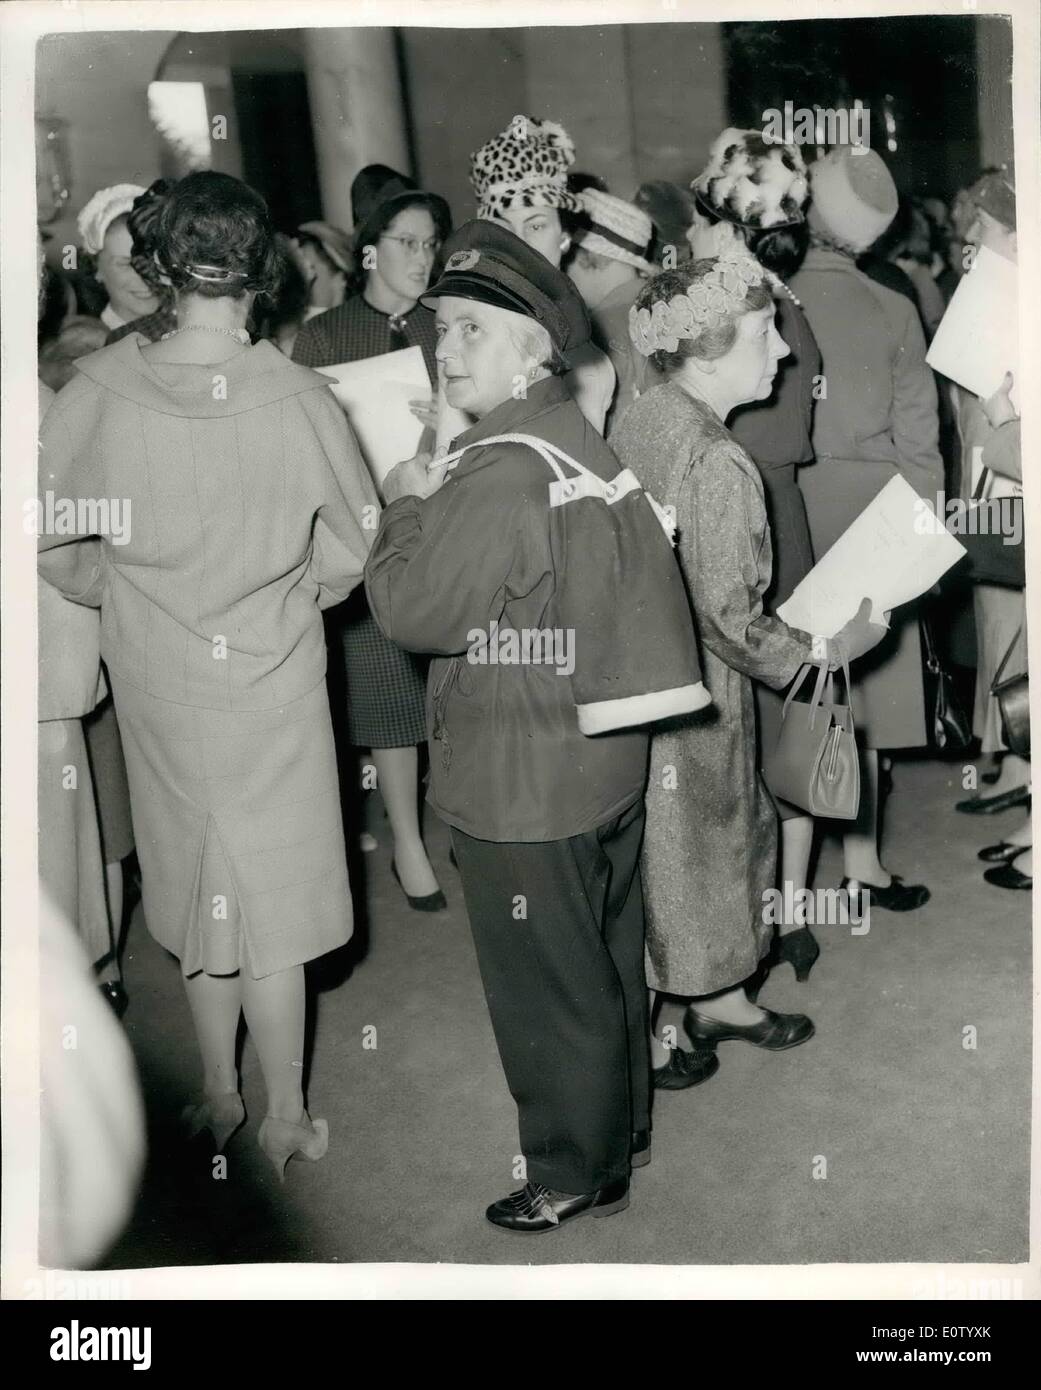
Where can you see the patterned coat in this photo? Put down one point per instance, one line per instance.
(710, 846)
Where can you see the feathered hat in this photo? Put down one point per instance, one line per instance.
(752, 181)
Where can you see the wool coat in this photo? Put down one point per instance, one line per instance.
(251, 510)
(877, 421)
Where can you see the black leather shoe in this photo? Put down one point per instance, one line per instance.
(535, 1209)
(774, 1031)
(641, 1148)
(116, 997)
(430, 902)
(990, 805)
(799, 948)
(685, 1069)
(1008, 876)
(897, 896)
(1000, 853)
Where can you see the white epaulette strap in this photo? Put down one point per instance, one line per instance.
(571, 489)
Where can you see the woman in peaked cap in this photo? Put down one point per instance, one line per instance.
(520, 178)
(398, 230)
(753, 193)
(878, 421)
(529, 527)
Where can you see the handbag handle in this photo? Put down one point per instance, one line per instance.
(1004, 659)
(824, 685)
(932, 662)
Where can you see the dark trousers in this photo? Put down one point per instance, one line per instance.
(559, 933)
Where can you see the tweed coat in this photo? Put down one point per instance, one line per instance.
(248, 516)
(711, 840)
(877, 421)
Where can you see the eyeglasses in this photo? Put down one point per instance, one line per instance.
(413, 245)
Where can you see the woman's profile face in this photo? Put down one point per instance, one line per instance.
(478, 357)
(128, 294)
(987, 231)
(540, 228)
(405, 253)
(750, 366)
(708, 239)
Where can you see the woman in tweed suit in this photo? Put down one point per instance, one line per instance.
(245, 510)
(398, 228)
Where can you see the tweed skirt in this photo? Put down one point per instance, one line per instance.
(105, 749)
(238, 828)
(386, 685)
(70, 863)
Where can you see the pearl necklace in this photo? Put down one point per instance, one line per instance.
(239, 334)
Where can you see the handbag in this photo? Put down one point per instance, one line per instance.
(1013, 697)
(992, 557)
(815, 764)
(950, 729)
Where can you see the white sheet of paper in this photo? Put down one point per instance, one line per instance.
(977, 341)
(375, 394)
(894, 551)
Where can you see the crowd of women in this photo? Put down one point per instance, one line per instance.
(666, 418)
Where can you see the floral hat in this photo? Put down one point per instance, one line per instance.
(706, 303)
(752, 181)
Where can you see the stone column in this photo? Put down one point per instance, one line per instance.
(356, 110)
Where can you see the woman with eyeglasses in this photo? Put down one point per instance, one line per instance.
(398, 230)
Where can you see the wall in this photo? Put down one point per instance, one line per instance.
(98, 84)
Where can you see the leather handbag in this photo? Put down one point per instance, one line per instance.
(950, 729)
(1013, 697)
(993, 558)
(815, 764)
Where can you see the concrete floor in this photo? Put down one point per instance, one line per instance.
(926, 1143)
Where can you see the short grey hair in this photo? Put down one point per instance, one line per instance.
(532, 340)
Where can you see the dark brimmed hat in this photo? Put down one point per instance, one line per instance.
(379, 189)
(485, 261)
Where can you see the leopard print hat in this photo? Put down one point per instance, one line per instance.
(525, 166)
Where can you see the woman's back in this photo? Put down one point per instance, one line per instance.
(206, 479)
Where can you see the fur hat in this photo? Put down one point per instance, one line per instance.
(617, 229)
(525, 166)
(853, 197)
(752, 181)
(106, 205)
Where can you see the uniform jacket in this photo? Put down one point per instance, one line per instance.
(540, 749)
(247, 496)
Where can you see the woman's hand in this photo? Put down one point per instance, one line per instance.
(425, 412)
(998, 408)
(856, 638)
(420, 476)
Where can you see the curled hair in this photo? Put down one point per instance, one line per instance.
(711, 343)
(780, 249)
(532, 339)
(142, 221)
(214, 238)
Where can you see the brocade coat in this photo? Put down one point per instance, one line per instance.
(710, 846)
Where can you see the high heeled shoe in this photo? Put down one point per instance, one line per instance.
(799, 948)
(1001, 853)
(222, 1115)
(282, 1140)
(429, 902)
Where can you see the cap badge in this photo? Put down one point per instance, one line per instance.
(462, 260)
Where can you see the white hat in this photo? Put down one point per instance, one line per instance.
(853, 197)
(620, 230)
(102, 210)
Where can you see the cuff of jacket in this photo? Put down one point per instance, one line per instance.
(623, 713)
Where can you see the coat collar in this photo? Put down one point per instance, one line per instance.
(819, 258)
(513, 416)
(252, 378)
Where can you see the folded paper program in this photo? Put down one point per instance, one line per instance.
(710, 300)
